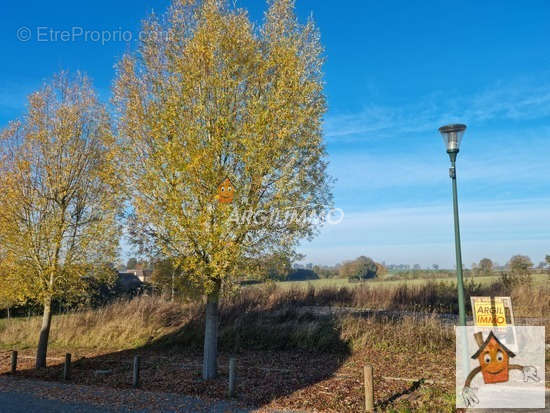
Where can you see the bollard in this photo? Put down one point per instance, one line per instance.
(13, 362)
(232, 382)
(135, 380)
(67, 367)
(369, 389)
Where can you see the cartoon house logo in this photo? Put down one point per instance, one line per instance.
(226, 191)
(494, 365)
(494, 359)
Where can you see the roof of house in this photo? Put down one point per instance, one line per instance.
(139, 272)
(482, 347)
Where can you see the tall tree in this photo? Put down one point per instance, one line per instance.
(485, 267)
(214, 98)
(165, 276)
(520, 265)
(131, 264)
(59, 201)
(274, 267)
(169, 277)
(362, 267)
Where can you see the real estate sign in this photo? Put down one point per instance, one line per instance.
(492, 311)
(495, 314)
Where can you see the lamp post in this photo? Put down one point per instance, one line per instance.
(452, 136)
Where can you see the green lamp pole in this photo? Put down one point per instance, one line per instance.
(452, 136)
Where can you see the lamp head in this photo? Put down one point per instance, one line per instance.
(452, 136)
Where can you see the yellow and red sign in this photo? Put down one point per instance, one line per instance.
(492, 311)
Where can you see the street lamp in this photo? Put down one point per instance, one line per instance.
(452, 136)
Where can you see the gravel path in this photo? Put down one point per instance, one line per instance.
(28, 396)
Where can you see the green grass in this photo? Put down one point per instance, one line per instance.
(538, 279)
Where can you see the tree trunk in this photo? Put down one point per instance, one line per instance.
(209, 363)
(44, 334)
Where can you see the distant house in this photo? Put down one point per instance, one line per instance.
(144, 276)
(128, 282)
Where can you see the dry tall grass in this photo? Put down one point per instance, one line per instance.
(271, 318)
(439, 297)
(123, 324)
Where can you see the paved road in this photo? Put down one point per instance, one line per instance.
(18, 395)
(32, 396)
(12, 402)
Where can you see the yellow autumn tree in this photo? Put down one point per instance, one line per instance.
(8, 287)
(59, 197)
(207, 97)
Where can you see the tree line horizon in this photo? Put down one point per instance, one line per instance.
(363, 267)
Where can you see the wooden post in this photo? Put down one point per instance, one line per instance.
(135, 380)
(13, 362)
(67, 367)
(232, 381)
(369, 389)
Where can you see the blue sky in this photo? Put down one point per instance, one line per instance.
(395, 72)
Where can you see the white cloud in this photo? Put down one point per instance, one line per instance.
(487, 159)
(521, 100)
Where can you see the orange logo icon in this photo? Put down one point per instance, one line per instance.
(493, 359)
(225, 192)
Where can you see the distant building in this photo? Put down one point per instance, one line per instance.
(143, 275)
(298, 266)
(398, 267)
(128, 282)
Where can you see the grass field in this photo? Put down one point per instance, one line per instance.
(289, 355)
(538, 280)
